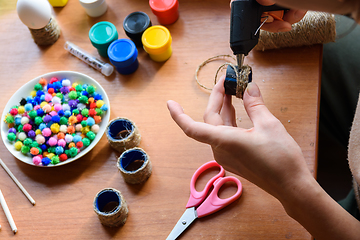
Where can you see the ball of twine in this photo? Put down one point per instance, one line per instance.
(111, 207)
(46, 35)
(314, 28)
(122, 134)
(140, 174)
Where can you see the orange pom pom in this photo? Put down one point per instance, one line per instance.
(72, 144)
(60, 135)
(70, 129)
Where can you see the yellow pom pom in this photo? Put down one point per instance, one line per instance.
(99, 103)
(38, 131)
(50, 155)
(21, 109)
(74, 85)
(33, 93)
(43, 104)
(18, 145)
(85, 130)
(55, 128)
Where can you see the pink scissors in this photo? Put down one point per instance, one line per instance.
(207, 204)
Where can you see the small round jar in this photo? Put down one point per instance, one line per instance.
(111, 207)
(134, 26)
(101, 35)
(166, 11)
(94, 8)
(123, 55)
(157, 43)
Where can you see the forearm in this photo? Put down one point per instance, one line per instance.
(332, 6)
(314, 209)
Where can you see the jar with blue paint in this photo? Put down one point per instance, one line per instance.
(123, 55)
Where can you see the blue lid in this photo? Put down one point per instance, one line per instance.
(122, 52)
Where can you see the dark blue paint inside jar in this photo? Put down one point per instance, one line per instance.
(129, 157)
(108, 201)
(123, 55)
(120, 129)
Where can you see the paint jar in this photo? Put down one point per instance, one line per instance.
(94, 8)
(134, 26)
(58, 3)
(101, 35)
(157, 43)
(166, 11)
(123, 55)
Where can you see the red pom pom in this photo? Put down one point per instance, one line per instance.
(53, 79)
(13, 111)
(27, 127)
(51, 90)
(92, 105)
(79, 117)
(92, 112)
(71, 89)
(62, 157)
(79, 144)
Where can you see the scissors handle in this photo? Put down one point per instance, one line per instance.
(197, 197)
(213, 203)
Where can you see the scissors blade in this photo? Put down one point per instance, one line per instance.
(186, 219)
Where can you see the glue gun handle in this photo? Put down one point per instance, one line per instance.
(244, 23)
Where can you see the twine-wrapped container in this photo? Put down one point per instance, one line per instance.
(111, 207)
(46, 35)
(314, 28)
(122, 134)
(134, 165)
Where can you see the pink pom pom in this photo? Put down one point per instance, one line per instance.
(53, 113)
(46, 132)
(37, 160)
(48, 97)
(27, 127)
(61, 143)
(57, 107)
(52, 141)
(37, 107)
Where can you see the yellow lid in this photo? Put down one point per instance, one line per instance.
(156, 39)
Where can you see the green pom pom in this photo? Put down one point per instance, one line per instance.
(91, 135)
(83, 123)
(9, 119)
(28, 142)
(25, 149)
(32, 114)
(85, 112)
(75, 111)
(90, 89)
(86, 142)
(55, 160)
(63, 121)
(83, 99)
(73, 151)
(11, 137)
(38, 120)
(72, 95)
(60, 95)
(99, 112)
(79, 88)
(38, 87)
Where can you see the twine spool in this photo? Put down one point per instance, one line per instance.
(122, 134)
(111, 207)
(46, 35)
(314, 28)
(135, 166)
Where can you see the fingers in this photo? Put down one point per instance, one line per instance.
(293, 16)
(277, 26)
(227, 113)
(201, 132)
(215, 104)
(254, 105)
(266, 2)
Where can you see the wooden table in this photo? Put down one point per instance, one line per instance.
(288, 79)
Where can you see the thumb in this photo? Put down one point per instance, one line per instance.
(254, 104)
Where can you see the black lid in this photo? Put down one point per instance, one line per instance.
(136, 23)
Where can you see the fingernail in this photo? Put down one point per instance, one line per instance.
(253, 90)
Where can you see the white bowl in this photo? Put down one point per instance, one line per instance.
(25, 90)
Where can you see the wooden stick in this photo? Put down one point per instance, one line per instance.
(17, 182)
(7, 213)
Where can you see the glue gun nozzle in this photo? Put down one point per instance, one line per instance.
(240, 61)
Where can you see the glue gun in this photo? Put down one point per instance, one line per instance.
(245, 25)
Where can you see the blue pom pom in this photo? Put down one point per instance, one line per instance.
(40, 93)
(98, 96)
(40, 112)
(45, 161)
(61, 113)
(42, 126)
(90, 121)
(67, 113)
(55, 119)
(57, 85)
(17, 120)
(104, 107)
(43, 147)
(77, 138)
(28, 107)
(59, 150)
(85, 93)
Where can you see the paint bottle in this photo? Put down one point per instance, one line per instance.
(134, 26)
(166, 11)
(157, 43)
(58, 3)
(101, 35)
(94, 8)
(36, 15)
(123, 55)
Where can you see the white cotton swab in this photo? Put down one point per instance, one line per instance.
(17, 182)
(7, 213)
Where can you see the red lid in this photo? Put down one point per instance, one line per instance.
(163, 5)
